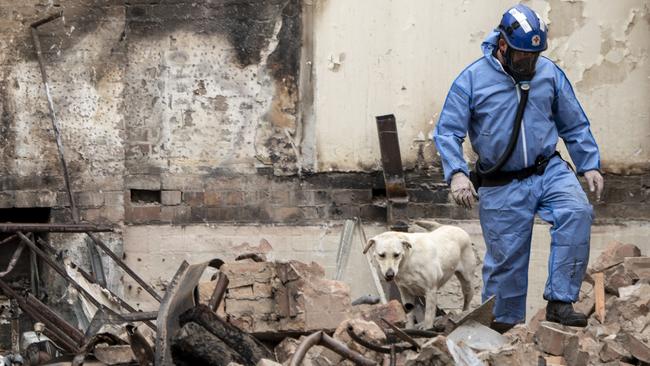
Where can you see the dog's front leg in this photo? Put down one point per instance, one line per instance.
(430, 311)
(409, 306)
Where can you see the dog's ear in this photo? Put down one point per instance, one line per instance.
(370, 243)
(406, 244)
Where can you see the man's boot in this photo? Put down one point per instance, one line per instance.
(563, 313)
(501, 327)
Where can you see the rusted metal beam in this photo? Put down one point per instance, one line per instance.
(376, 347)
(391, 161)
(125, 267)
(52, 228)
(219, 291)
(52, 330)
(59, 322)
(323, 339)
(8, 239)
(400, 334)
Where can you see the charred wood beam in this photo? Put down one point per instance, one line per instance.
(194, 345)
(250, 349)
(52, 228)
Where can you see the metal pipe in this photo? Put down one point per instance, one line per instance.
(63, 273)
(219, 291)
(375, 347)
(126, 268)
(52, 228)
(14, 259)
(346, 352)
(304, 346)
(50, 105)
(321, 338)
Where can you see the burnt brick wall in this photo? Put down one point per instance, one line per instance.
(333, 196)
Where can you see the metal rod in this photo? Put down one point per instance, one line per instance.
(321, 338)
(50, 104)
(126, 268)
(91, 279)
(15, 326)
(59, 322)
(139, 316)
(346, 352)
(373, 269)
(52, 228)
(63, 273)
(8, 239)
(374, 347)
(219, 291)
(52, 330)
(400, 334)
(14, 259)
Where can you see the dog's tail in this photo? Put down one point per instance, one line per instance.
(430, 225)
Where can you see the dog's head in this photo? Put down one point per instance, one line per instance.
(389, 251)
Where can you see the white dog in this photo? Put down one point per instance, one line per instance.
(421, 263)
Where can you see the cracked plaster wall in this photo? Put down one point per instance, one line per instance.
(374, 57)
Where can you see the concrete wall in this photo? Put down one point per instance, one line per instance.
(158, 251)
(373, 57)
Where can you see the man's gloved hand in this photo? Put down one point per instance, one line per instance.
(462, 190)
(595, 182)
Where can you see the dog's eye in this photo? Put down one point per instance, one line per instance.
(382, 255)
(396, 255)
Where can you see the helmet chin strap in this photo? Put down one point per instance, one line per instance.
(520, 71)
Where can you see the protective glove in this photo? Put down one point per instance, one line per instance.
(595, 182)
(462, 190)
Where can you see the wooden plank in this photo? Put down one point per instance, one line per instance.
(599, 292)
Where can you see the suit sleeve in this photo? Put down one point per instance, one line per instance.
(573, 126)
(451, 130)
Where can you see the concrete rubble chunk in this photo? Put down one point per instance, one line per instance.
(463, 354)
(581, 351)
(520, 333)
(432, 353)
(554, 361)
(638, 349)
(478, 337)
(637, 268)
(392, 311)
(552, 338)
(586, 301)
(613, 351)
(617, 277)
(613, 254)
(537, 319)
(515, 355)
(369, 331)
(114, 355)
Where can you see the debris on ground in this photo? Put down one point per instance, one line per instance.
(269, 313)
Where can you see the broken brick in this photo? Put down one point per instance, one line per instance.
(617, 277)
(552, 338)
(637, 268)
(393, 311)
(579, 351)
(613, 254)
(612, 351)
(638, 349)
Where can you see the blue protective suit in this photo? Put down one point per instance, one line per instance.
(482, 102)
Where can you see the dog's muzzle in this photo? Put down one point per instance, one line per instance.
(389, 275)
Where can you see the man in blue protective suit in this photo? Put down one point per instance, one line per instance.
(514, 105)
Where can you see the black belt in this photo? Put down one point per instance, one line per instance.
(502, 178)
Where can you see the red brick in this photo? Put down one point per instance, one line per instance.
(193, 198)
(142, 214)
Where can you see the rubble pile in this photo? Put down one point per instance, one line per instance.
(265, 313)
